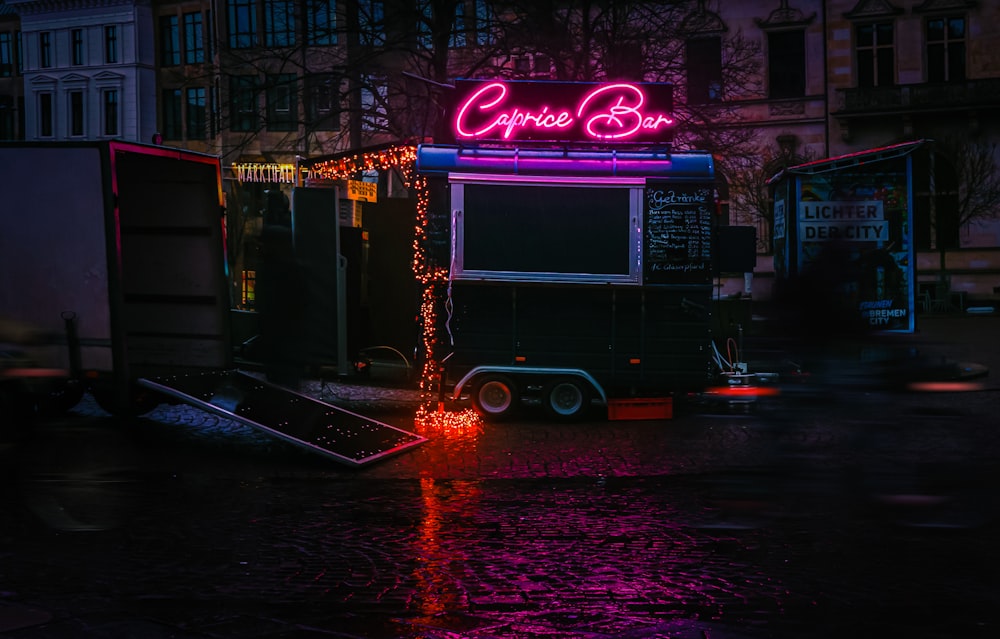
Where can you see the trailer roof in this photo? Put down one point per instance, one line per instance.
(443, 159)
(851, 159)
(106, 145)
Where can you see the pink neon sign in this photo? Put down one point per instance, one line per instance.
(617, 112)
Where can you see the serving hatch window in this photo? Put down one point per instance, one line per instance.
(546, 229)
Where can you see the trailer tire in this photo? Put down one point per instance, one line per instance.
(61, 399)
(566, 398)
(141, 401)
(495, 396)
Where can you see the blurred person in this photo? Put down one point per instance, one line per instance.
(280, 298)
(817, 313)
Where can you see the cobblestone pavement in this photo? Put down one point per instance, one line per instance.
(863, 514)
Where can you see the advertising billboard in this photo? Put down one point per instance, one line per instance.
(859, 206)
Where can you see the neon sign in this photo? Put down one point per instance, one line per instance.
(611, 113)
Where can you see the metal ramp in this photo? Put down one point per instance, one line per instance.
(319, 427)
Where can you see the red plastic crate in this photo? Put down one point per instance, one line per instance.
(641, 408)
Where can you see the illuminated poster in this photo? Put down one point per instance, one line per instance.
(866, 213)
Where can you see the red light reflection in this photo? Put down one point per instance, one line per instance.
(437, 576)
(432, 420)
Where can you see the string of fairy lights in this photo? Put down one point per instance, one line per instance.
(401, 158)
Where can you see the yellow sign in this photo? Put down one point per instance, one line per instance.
(364, 191)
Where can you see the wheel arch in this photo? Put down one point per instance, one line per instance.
(521, 373)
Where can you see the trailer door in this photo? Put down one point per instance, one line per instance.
(170, 291)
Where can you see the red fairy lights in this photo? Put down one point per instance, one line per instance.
(402, 158)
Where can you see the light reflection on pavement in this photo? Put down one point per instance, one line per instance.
(722, 524)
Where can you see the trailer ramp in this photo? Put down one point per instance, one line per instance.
(319, 427)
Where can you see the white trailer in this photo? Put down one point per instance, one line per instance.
(114, 254)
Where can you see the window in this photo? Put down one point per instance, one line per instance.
(704, 70)
(243, 102)
(373, 105)
(282, 107)
(171, 106)
(371, 20)
(247, 288)
(170, 44)
(19, 53)
(196, 119)
(194, 38)
(76, 40)
(45, 49)
(109, 99)
(425, 26)
(45, 115)
(457, 37)
(875, 55)
(6, 55)
(322, 100)
(946, 49)
(484, 23)
(76, 113)
(786, 64)
(7, 130)
(279, 23)
(321, 22)
(541, 66)
(111, 44)
(241, 22)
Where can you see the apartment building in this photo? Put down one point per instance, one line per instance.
(11, 72)
(262, 82)
(87, 70)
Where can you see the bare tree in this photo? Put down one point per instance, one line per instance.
(750, 198)
(978, 181)
(642, 40)
(381, 71)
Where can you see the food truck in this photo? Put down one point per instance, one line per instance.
(578, 247)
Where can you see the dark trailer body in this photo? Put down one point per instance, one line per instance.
(574, 275)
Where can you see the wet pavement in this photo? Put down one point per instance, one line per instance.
(860, 514)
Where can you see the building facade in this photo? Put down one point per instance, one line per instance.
(88, 70)
(11, 76)
(764, 84)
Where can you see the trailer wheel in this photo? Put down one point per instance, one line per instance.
(566, 398)
(495, 396)
(61, 399)
(141, 401)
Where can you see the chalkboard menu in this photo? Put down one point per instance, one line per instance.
(677, 236)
